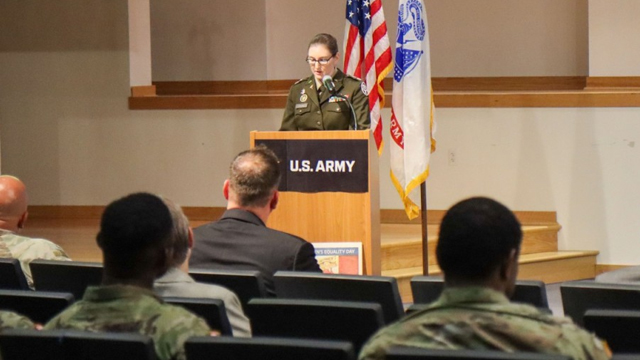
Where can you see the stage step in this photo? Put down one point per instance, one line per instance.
(401, 244)
(550, 267)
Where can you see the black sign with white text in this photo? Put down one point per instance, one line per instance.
(312, 166)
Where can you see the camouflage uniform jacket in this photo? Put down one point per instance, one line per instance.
(28, 249)
(11, 320)
(309, 110)
(483, 319)
(120, 308)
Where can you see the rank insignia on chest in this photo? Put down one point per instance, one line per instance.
(303, 98)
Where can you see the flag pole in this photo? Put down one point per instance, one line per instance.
(425, 232)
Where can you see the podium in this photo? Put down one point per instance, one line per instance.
(329, 190)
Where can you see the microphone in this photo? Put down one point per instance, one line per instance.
(328, 83)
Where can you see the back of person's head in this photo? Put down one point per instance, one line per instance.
(13, 203)
(254, 176)
(477, 236)
(134, 232)
(179, 239)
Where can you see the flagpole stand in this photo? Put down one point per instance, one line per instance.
(425, 237)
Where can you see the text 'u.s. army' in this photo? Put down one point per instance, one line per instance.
(321, 166)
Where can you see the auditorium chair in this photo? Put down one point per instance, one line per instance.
(382, 290)
(426, 289)
(212, 310)
(261, 348)
(355, 322)
(246, 284)
(39, 306)
(414, 353)
(580, 296)
(66, 276)
(74, 345)
(620, 328)
(11, 275)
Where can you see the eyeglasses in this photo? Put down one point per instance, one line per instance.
(313, 61)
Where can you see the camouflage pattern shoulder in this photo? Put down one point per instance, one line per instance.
(11, 320)
(129, 309)
(456, 321)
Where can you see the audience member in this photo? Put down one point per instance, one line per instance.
(240, 240)
(134, 235)
(12, 320)
(177, 282)
(627, 275)
(13, 216)
(478, 251)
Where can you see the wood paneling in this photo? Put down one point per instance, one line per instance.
(223, 87)
(613, 82)
(521, 83)
(396, 216)
(67, 212)
(138, 91)
(602, 268)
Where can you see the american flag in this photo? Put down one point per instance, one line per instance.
(367, 54)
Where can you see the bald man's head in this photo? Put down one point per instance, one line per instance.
(13, 203)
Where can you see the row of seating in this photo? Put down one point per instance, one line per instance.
(380, 292)
(70, 345)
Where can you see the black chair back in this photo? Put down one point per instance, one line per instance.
(65, 276)
(412, 353)
(11, 275)
(74, 345)
(355, 322)
(21, 344)
(107, 346)
(580, 296)
(260, 348)
(426, 289)
(382, 290)
(246, 284)
(39, 306)
(620, 328)
(211, 310)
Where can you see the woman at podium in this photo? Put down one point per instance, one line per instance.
(328, 99)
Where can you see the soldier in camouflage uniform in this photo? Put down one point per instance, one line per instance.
(11, 320)
(134, 235)
(310, 106)
(478, 251)
(13, 216)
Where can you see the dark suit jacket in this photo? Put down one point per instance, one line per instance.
(241, 241)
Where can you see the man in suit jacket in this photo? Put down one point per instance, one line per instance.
(240, 240)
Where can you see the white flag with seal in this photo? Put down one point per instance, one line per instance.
(412, 114)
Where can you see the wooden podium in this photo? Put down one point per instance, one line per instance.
(330, 188)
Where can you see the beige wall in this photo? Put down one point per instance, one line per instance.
(208, 40)
(614, 44)
(204, 40)
(66, 130)
(508, 38)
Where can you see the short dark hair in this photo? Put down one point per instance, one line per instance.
(327, 40)
(179, 240)
(254, 175)
(130, 227)
(476, 236)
